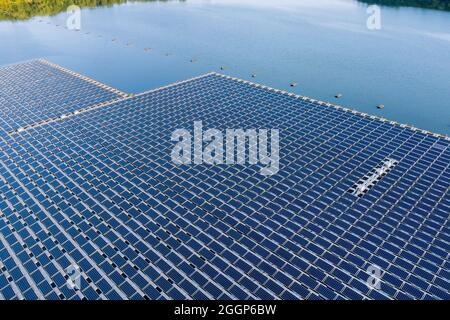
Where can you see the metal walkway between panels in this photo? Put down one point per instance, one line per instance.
(88, 188)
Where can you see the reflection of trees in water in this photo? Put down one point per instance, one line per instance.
(25, 9)
(430, 4)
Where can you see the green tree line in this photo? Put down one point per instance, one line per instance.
(428, 4)
(26, 9)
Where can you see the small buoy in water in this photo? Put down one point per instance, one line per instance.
(294, 84)
(339, 95)
(380, 106)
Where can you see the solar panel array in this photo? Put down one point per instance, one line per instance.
(37, 91)
(99, 191)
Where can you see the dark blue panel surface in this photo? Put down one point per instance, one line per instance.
(99, 191)
(37, 91)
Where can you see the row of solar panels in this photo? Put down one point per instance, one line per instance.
(98, 193)
(36, 91)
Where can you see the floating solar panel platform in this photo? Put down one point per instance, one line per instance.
(99, 191)
(37, 91)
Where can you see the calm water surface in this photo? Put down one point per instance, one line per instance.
(323, 45)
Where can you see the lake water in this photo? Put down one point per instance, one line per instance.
(323, 45)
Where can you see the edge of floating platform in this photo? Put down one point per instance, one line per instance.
(85, 78)
(329, 104)
(126, 96)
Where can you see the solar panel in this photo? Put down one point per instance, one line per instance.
(37, 91)
(99, 192)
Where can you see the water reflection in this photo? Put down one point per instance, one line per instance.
(26, 9)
